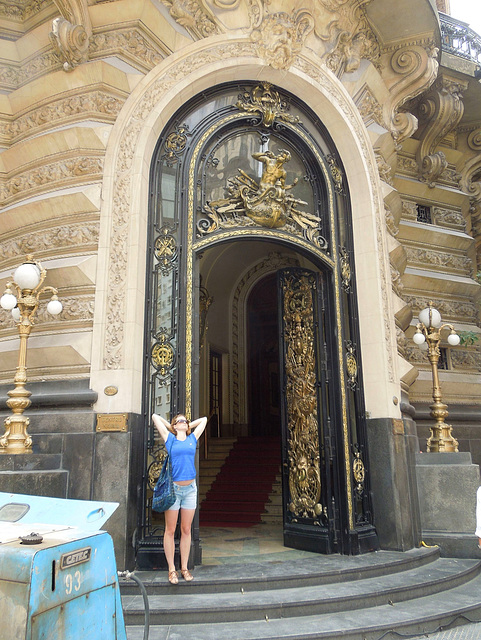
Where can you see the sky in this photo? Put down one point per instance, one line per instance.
(468, 11)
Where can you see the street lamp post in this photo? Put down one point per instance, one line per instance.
(429, 330)
(27, 283)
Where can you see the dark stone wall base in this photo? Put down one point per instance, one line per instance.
(447, 486)
(71, 459)
(453, 545)
(53, 484)
(392, 447)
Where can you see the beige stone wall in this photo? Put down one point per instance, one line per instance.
(87, 88)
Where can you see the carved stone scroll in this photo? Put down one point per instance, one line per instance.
(442, 108)
(71, 32)
(414, 68)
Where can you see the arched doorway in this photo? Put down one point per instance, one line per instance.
(240, 174)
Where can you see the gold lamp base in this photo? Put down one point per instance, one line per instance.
(16, 439)
(441, 439)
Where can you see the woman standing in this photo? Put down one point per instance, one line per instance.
(180, 439)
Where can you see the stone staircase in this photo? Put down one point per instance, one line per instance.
(219, 449)
(379, 595)
(235, 488)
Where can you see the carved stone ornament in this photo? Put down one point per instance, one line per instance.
(55, 238)
(99, 105)
(471, 184)
(349, 37)
(21, 10)
(280, 36)
(390, 222)
(63, 172)
(442, 109)
(71, 32)
(414, 67)
(193, 16)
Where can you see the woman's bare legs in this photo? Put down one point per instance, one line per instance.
(186, 517)
(169, 542)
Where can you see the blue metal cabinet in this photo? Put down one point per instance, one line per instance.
(64, 587)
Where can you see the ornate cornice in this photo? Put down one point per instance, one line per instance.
(100, 105)
(52, 175)
(450, 308)
(129, 44)
(408, 165)
(443, 260)
(441, 109)
(78, 237)
(21, 10)
(77, 309)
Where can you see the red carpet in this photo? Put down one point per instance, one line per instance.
(242, 486)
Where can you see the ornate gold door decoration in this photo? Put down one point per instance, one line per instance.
(301, 395)
(359, 473)
(163, 355)
(266, 203)
(265, 101)
(351, 365)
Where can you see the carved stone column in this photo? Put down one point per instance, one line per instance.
(441, 109)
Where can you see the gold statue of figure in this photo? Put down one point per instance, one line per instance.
(267, 202)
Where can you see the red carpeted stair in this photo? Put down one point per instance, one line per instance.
(241, 489)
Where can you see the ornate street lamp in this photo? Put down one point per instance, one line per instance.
(429, 330)
(27, 283)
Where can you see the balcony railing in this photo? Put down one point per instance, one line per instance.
(458, 39)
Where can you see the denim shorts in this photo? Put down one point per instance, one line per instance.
(185, 496)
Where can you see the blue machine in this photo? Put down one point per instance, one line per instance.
(58, 576)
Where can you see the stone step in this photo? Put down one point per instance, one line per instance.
(316, 569)
(298, 600)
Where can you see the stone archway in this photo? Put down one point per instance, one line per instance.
(118, 327)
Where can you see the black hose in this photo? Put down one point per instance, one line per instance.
(132, 576)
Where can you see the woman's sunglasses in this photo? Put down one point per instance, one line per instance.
(182, 420)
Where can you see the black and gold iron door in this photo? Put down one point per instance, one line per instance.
(309, 491)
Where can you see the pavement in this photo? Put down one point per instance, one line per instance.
(264, 543)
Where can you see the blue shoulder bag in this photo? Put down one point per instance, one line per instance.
(164, 494)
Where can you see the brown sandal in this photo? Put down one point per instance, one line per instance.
(173, 577)
(186, 574)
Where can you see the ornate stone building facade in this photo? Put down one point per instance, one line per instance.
(124, 128)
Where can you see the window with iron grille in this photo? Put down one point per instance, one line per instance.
(424, 214)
